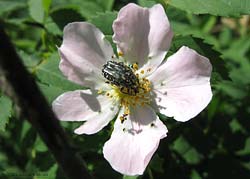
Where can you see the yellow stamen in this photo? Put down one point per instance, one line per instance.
(135, 66)
(120, 54)
(100, 91)
(129, 100)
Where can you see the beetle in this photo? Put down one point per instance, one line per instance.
(122, 76)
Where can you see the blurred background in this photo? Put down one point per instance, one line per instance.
(213, 145)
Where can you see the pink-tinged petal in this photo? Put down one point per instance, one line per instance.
(133, 142)
(183, 103)
(85, 74)
(79, 105)
(98, 121)
(142, 34)
(182, 84)
(185, 68)
(83, 52)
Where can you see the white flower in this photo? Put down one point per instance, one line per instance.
(135, 85)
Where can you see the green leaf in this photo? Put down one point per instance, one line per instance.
(52, 171)
(61, 16)
(104, 21)
(25, 130)
(245, 150)
(107, 4)
(195, 175)
(232, 89)
(36, 10)
(204, 49)
(185, 29)
(238, 50)
(5, 111)
(189, 153)
(157, 164)
(10, 6)
(146, 3)
(48, 73)
(39, 145)
(214, 7)
(28, 60)
(52, 27)
(236, 126)
(86, 8)
(89, 9)
(50, 92)
(46, 5)
(192, 156)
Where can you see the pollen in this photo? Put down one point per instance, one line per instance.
(128, 86)
(130, 100)
(135, 66)
(100, 91)
(120, 54)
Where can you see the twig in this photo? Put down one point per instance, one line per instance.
(18, 84)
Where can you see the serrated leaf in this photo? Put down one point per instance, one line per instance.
(36, 10)
(214, 7)
(5, 111)
(48, 73)
(89, 9)
(186, 30)
(86, 8)
(204, 49)
(104, 21)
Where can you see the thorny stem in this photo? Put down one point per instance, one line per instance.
(18, 84)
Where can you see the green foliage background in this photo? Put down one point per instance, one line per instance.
(215, 144)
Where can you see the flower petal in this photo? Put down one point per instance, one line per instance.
(133, 142)
(142, 34)
(97, 121)
(78, 105)
(183, 103)
(185, 68)
(182, 86)
(83, 52)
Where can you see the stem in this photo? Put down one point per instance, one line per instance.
(20, 86)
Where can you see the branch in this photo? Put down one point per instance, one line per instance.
(17, 83)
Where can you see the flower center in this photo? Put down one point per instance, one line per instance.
(122, 76)
(127, 85)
